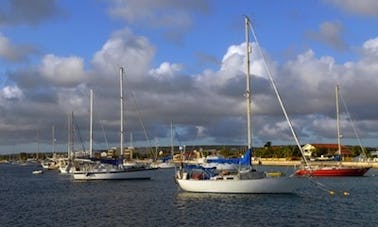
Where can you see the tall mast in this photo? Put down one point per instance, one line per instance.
(172, 141)
(53, 138)
(338, 121)
(121, 102)
(131, 146)
(70, 134)
(248, 92)
(91, 125)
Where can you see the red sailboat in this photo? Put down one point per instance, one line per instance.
(335, 170)
(332, 171)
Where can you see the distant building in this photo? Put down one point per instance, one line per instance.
(325, 149)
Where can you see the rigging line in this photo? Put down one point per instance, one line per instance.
(278, 95)
(141, 121)
(353, 126)
(325, 188)
(104, 133)
(99, 117)
(78, 133)
(282, 104)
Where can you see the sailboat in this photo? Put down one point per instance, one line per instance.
(334, 170)
(92, 169)
(166, 162)
(66, 165)
(196, 178)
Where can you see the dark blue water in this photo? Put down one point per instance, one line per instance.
(52, 199)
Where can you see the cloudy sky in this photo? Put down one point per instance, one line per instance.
(185, 62)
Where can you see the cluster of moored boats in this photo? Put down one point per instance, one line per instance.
(214, 175)
(98, 169)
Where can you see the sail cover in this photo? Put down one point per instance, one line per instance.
(108, 161)
(244, 160)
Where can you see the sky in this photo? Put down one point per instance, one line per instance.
(185, 63)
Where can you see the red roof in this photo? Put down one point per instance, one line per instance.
(333, 147)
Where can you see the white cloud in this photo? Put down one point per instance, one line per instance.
(124, 49)
(166, 70)
(212, 99)
(370, 47)
(11, 92)
(63, 71)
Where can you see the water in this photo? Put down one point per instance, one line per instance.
(52, 199)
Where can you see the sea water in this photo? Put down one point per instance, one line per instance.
(53, 199)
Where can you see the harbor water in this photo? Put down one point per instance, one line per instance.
(52, 199)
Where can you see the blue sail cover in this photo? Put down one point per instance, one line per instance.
(208, 171)
(165, 159)
(108, 161)
(245, 160)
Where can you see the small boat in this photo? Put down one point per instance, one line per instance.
(49, 164)
(37, 171)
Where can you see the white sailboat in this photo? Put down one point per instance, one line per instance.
(97, 170)
(66, 165)
(166, 162)
(245, 179)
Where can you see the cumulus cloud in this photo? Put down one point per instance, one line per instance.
(370, 48)
(11, 92)
(63, 71)
(124, 49)
(207, 106)
(166, 70)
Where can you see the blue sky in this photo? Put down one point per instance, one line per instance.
(184, 62)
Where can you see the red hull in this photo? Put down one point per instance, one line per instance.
(332, 171)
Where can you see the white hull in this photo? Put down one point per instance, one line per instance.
(128, 174)
(66, 170)
(221, 166)
(37, 171)
(164, 165)
(253, 186)
(168, 165)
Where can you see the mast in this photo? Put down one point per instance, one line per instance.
(172, 141)
(338, 121)
(121, 103)
(69, 138)
(131, 146)
(248, 92)
(172, 146)
(53, 139)
(91, 125)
